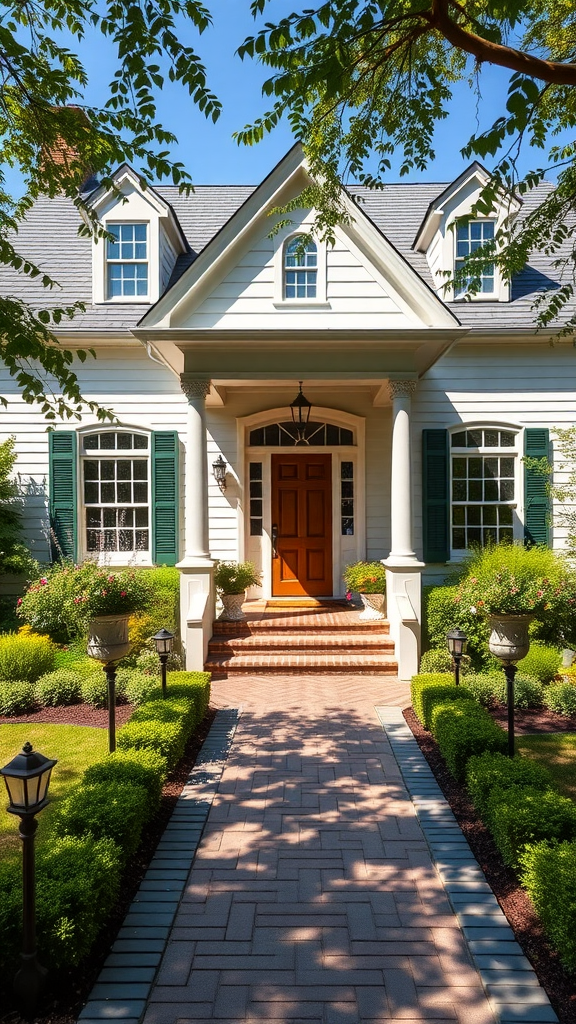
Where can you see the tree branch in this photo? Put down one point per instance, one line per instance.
(496, 53)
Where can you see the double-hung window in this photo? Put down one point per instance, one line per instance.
(116, 491)
(127, 261)
(483, 486)
(300, 268)
(472, 235)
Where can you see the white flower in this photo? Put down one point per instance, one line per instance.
(473, 610)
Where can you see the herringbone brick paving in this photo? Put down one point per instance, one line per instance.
(313, 899)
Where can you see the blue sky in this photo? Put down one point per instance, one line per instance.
(210, 153)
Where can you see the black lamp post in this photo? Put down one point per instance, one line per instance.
(300, 409)
(27, 777)
(163, 641)
(456, 641)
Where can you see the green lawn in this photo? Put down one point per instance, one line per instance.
(74, 746)
(557, 751)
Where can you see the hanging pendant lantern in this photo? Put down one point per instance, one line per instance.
(300, 409)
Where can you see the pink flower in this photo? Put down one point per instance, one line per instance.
(19, 601)
(104, 592)
(44, 581)
(539, 593)
(123, 593)
(110, 579)
(348, 595)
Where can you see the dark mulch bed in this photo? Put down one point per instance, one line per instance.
(74, 714)
(535, 720)
(68, 992)
(512, 898)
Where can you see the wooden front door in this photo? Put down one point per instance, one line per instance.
(302, 525)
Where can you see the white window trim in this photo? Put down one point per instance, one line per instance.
(119, 215)
(457, 555)
(123, 262)
(478, 296)
(112, 558)
(280, 241)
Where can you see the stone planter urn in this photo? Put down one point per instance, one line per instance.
(373, 607)
(108, 638)
(509, 640)
(232, 607)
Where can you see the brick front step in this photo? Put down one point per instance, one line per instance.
(291, 664)
(380, 643)
(313, 626)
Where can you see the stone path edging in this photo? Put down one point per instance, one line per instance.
(508, 977)
(125, 981)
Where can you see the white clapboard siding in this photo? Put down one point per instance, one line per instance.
(140, 393)
(247, 297)
(532, 385)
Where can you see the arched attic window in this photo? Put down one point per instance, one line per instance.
(300, 268)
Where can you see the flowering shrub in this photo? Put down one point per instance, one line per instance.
(512, 580)
(64, 600)
(365, 577)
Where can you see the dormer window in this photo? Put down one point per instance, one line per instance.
(127, 261)
(472, 235)
(300, 268)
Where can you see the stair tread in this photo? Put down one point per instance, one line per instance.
(297, 659)
(308, 641)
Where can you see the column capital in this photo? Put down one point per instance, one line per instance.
(401, 388)
(195, 388)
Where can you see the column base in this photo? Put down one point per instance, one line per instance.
(404, 603)
(197, 609)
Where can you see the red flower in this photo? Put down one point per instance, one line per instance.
(123, 593)
(110, 579)
(19, 601)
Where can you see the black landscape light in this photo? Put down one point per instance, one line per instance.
(27, 777)
(163, 641)
(457, 641)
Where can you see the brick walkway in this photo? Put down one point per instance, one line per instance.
(313, 899)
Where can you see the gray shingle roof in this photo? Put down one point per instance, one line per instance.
(49, 237)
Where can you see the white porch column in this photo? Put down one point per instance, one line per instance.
(197, 597)
(403, 570)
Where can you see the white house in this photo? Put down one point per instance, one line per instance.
(205, 322)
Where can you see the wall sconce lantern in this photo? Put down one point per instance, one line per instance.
(219, 470)
(300, 409)
(457, 641)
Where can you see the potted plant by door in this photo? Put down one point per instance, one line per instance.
(369, 580)
(105, 603)
(232, 580)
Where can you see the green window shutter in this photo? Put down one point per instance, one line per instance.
(165, 497)
(63, 494)
(536, 497)
(435, 504)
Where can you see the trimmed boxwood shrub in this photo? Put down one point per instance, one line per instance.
(146, 768)
(439, 659)
(541, 662)
(168, 738)
(198, 682)
(420, 682)
(77, 885)
(521, 815)
(136, 686)
(549, 876)
(432, 696)
(462, 729)
(489, 772)
(16, 698)
(105, 810)
(25, 656)
(94, 689)
(561, 697)
(60, 687)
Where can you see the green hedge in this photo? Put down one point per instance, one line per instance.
(105, 810)
(16, 698)
(462, 729)
(420, 683)
(145, 768)
(97, 828)
(522, 815)
(548, 874)
(561, 697)
(487, 772)
(432, 696)
(58, 688)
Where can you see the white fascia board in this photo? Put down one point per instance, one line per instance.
(413, 295)
(230, 236)
(99, 199)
